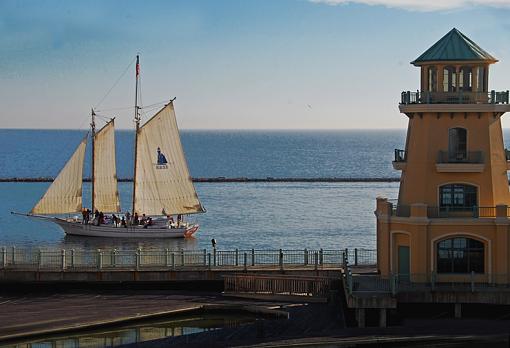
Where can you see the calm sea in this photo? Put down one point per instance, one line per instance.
(239, 215)
(254, 154)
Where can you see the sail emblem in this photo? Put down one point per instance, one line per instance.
(162, 162)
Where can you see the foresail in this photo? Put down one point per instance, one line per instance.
(106, 194)
(163, 182)
(65, 193)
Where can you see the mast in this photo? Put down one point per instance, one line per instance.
(93, 127)
(137, 126)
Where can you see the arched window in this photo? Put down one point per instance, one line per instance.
(449, 79)
(466, 79)
(457, 144)
(432, 79)
(457, 197)
(460, 255)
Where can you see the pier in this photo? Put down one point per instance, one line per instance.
(51, 265)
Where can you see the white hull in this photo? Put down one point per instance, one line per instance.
(79, 229)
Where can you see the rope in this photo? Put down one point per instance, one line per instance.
(115, 84)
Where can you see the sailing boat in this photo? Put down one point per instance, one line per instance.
(162, 185)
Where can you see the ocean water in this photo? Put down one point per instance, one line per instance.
(239, 215)
(254, 154)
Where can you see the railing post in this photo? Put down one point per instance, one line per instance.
(13, 255)
(346, 256)
(209, 259)
(167, 257)
(4, 257)
(182, 257)
(305, 257)
(472, 276)
(349, 282)
(355, 256)
(321, 257)
(63, 259)
(253, 257)
(280, 259)
(237, 257)
(72, 258)
(172, 257)
(393, 284)
(493, 97)
(433, 281)
(39, 259)
(246, 261)
(99, 259)
(138, 258)
(214, 257)
(114, 257)
(205, 257)
(316, 254)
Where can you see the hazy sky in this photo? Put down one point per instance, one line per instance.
(285, 64)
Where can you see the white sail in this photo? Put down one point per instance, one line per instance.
(106, 194)
(65, 193)
(163, 182)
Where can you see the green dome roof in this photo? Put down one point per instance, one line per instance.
(454, 46)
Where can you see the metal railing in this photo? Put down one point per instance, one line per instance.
(460, 97)
(400, 155)
(461, 212)
(401, 210)
(421, 282)
(76, 259)
(317, 287)
(460, 157)
(448, 212)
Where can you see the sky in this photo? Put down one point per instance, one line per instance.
(245, 64)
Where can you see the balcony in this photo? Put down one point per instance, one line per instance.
(461, 97)
(400, 160)
(448, 212)
(460, 162)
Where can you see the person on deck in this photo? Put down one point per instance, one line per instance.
(84, 216)
(170, 221)
(128, 217)
(135, 219)
(123, 222)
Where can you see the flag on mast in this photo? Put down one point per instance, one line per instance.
(137, 66)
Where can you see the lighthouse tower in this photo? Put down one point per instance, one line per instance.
(450, 218)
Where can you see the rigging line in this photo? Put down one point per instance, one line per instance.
(156, 104)
(116, 82)
(116, 109)
(104, 118)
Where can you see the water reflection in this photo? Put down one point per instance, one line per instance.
(114, 337)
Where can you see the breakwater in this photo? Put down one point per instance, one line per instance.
(227, 180)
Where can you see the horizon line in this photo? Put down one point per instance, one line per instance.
(219, 129)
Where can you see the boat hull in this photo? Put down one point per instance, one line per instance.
(109, 231)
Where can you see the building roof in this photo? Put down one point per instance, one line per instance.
(454, 46)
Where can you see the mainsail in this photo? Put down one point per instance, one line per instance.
(163, 183)
(65, 193)
(106, 194)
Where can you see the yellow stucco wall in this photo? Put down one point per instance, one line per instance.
(428, 134)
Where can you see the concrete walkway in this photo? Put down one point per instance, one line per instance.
(36, 313)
